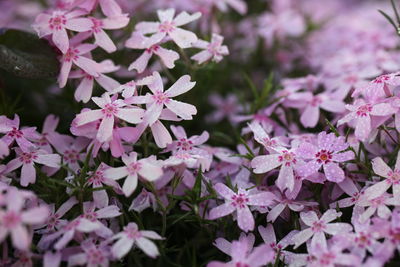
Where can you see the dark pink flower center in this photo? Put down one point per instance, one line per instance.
(97, 24)
(363, 240)
(134, 167)
(324, 156)
(57, 22)
(15, 133)
(71, 156)
(381, 79)
(72, 54)
(27, 157)
(364, 110)
(185, 144)
(152, 49)
(316, 101)
(241, 264)
(91, 216)
(318, 226)
(327, 258)
(110, 109)
(287, 157)
(95, 256)
(394, 176)
(267, 142)
(97, 178)
(240, 200)
(132, 233)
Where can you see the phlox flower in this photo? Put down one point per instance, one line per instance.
(72, 151)
(110, 108)
(381, 87)
(92, 255)
(57, 25)
(151, 46)
(226, 246)
(361, 112)
(378, 205)
(332, 255)
(226, 107)
(319, 226)
(243, 256)
(110, 8)
(238, 5)
(15, 218)
(147, 168)
(49, 136)
(76, 55)
(211, 50)
(169, 25)
(286, 158)
(131, 236)
(12, 132)
(392, 179)
(327, 154)
(28, 159)
(240, 203)
(159, 99)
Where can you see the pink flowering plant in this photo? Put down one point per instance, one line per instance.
(199, 133)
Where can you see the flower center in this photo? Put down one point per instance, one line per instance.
(166, 26)
(185, 144)
(318, 226)
(134, 167)
(15, 133)
(316, 101)
(72, 54)
(27, 157)
(288, 157)
(97, 24)
(152, 49)
(95, 256)
(110, 109)
(97, 178)
(394, 176)
(240, 200)
(71, 156)
(57, 22)
(324, 156)
(364, 110)
(381, 79)
(132, 233)
(160, 98)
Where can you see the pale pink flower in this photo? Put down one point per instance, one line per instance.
(14, 219)
(110, 108)
(72, 151)
(361, 113)
(28, 159)
(144, 200)
(159, 98)
(332, 255)
(169, 25)
(131, 236)
(327, 154)
(75, 55)
(49, 136)
(226, 246)
(392, 179)
(85, 88)
(151, 45)
(240, 203)
(287, 159)
(12, 132)
(57, 25)
(211, 50)
(242, 255)
(147, 168)
(318, 227)
(380, 87)
(238, 5)
(110, 8)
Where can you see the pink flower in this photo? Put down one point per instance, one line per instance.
(110, 108)
(239, 5)
(212, 50)
(151, 46)
(91, 255)
(110, 8)
(28, 159)
(240, 203)
(131, 236)
(392, 179)
(14, 219)
(319, 226)
(327, 154)
(85, 88)
(57, 24)
(71, 151)
(147, 168)
(12, 132)
(74, 55)
(380, 87)
(49, 136)
(242, 256)
(226, 107)
(287, 159)
(332, 255)
(169, 25)
(159, 99)
(361, 113)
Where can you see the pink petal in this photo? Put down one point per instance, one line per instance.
(224, 191)
(51, 160)
(104, 41)
(60, 39)
(28, 174)
(105, 131)
(302, 237)
(35, 215)
(148, 247)
(130, 184)
(285, 178)
(309, 118)
(338, 228)
(116, 173)
(181, 86)
(262, 164)
(131, 115)
(202, 56)
(20, 237)
(122, 247)
(245, 219)
(376, 190)
(221, 211)
(160, 134)
(309, 217)
(84, 91)
(167, 56)
(333, 172)
(150, 171)
(64, 73)
(183, 110)
(184, 18)
(141, 62)
(79, 24)
(110, 8)
(88, 65)
(261, 199)
(88, 116)
(380, 167)
(363, 128)
(183, 38)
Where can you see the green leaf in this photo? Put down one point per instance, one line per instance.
(390, 20)
(25, 55)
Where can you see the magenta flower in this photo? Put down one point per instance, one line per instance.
(131, 236)
(49, 136)
(151, 46)
(169, 25)
(75, 55)
(380, 87)
(287, 159)
(211, 50)
(332, 255)
(147, 168)
(327, 154)
(12, 132)
(110, 108)
(28, 159)
(319, 226)
(14, 219)
(240, 203)
(392, 179)
(159, 98)
(57, 24)
(242, 256)
(361, 112)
